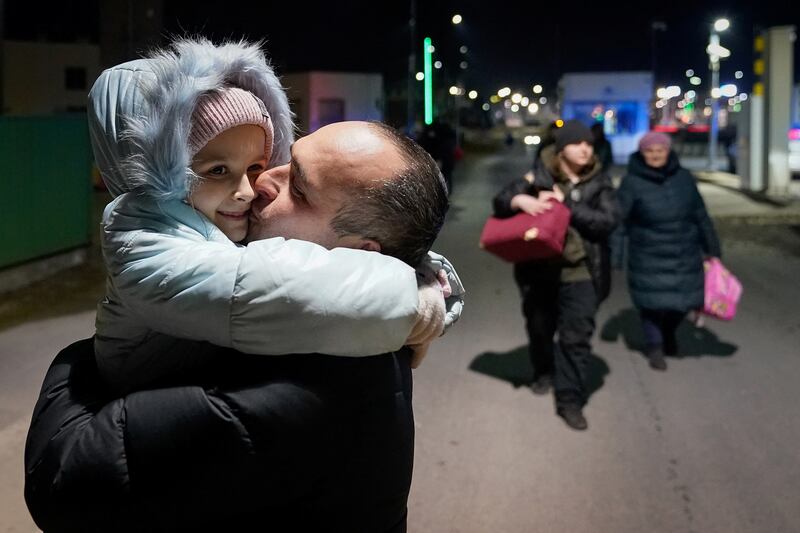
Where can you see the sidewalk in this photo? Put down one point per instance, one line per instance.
(726, 200)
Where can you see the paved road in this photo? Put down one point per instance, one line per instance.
(710, 445)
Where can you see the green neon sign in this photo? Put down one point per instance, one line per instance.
(426, 53)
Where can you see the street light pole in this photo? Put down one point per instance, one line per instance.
(713, 134)
(655, 26)
(715, 53)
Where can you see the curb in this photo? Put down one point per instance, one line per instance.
(759, 219)
(756, 196)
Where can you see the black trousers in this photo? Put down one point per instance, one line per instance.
(567, 309)
(659, 327)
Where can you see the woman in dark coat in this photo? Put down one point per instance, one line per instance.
(669, 233)
(563, 294)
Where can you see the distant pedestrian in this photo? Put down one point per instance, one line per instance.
(562, 295)
(509, 140)
(602, 148)
(439, 140)
(668, 233)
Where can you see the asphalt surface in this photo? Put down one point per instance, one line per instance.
(710, 445)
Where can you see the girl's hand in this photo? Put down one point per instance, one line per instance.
(431, 313)
(555, 193)
(530, 204)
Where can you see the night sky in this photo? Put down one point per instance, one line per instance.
(509, 43)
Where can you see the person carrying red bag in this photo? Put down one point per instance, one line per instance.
(561, 295)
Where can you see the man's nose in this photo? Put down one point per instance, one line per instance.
(268, 183)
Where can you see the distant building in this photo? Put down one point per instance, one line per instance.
(794, 135)
(41, 78)
(320, 98)
(44, 144)
(619, 100)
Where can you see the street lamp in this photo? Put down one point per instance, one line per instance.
(715, 52)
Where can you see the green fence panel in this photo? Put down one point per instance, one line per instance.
(45, 186)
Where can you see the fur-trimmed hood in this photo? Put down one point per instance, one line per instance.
(139, 112)
(549, 162)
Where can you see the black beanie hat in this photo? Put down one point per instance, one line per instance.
(572, 132)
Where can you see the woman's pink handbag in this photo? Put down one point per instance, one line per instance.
(722, 290)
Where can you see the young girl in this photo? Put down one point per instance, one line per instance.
(179, 137)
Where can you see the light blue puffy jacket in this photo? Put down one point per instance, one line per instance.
(173, 275)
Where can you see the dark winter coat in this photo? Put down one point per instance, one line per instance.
(595, 214)
(668, 232)
(295, 443)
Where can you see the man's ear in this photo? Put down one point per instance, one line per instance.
(359, 243)
(370, 245)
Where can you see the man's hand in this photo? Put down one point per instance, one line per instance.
(430, 317)
(530, 204)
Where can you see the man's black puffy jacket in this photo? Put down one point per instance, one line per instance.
(294, 443)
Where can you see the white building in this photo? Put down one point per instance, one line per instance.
(619, 100)
(320, 98)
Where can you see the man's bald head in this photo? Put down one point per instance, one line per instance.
(354, 184)
(403, 205)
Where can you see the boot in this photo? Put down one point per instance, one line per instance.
(542, 383)
(572, 413)
(655, 355)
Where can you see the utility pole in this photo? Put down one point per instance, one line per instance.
(655, 27)
(412, 63)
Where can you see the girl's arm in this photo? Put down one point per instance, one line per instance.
(502, 202)
(270, 297)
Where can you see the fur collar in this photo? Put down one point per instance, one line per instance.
(160, 162)
(551, 160)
